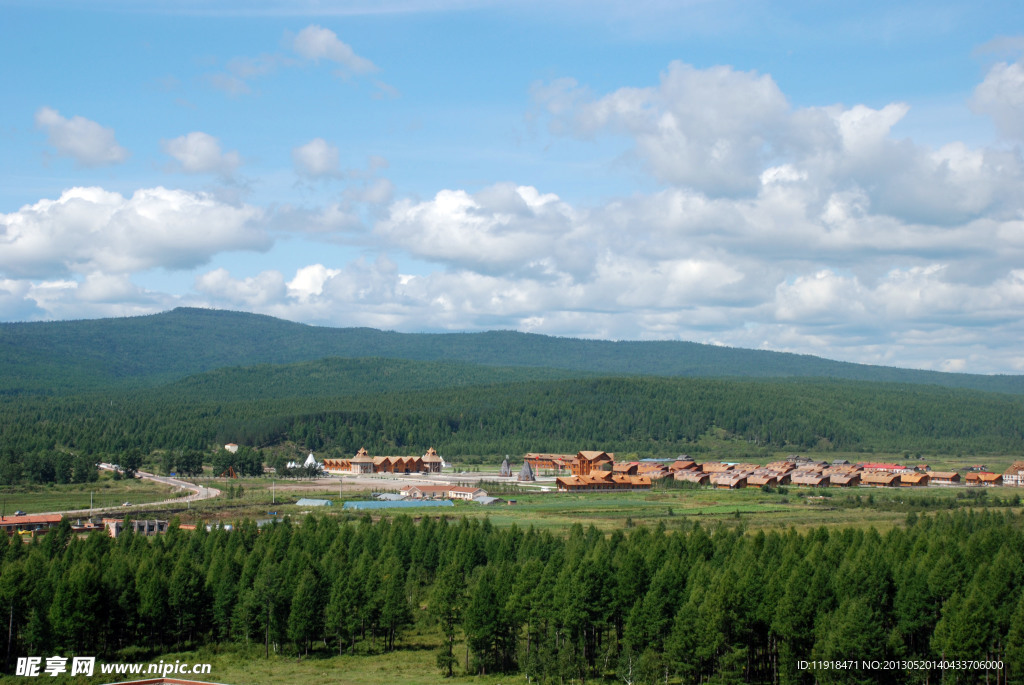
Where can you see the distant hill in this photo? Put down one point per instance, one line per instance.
(72, 356)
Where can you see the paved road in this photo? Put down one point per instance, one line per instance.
(199, 492)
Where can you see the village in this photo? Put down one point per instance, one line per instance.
(400, 482)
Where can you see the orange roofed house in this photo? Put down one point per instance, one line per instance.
(984, 478)
(556, 463)
(603, 480)
(585, 462)
(30, 524)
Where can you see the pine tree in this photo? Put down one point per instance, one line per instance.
(447, 602)
(305, 621)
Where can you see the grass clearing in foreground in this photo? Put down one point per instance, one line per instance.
(104, 493)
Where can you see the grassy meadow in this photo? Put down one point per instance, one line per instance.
(105, 493)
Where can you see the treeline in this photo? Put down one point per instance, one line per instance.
(649, 416)
(640, 606)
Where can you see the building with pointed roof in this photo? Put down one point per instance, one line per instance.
(526, 473)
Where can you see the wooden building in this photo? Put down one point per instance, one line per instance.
(628, 468)
(587, 461)
(362, 462)
(844, 479)
(781, 467)
(729, 480)
(943, 478)
(683, 464)
(880, 479)
(809, 477)
(913, 480)
(551, 463)
(762, 478)
(602, 481)
(697, 477)
(984, 478)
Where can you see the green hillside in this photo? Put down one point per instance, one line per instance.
(393, 406)
(72, 356)
(339, 377)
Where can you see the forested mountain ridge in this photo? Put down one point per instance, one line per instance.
(653, 416)
(71, 356)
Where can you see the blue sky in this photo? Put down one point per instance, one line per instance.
(838, 180)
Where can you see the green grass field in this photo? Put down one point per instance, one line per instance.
(105, 493)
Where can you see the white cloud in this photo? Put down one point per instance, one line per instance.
(1001, 96)
(89, 143)
(89, 230)
(317, 43)
(309, 281)
(317, 158)
(257, 291)
(200, 153)
(501, 227)
(719, 131)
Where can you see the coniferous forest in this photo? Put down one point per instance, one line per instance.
(641, 605)
(659, 417)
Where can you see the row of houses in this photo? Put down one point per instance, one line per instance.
(592, 470)
(363, 463)
(840, 473)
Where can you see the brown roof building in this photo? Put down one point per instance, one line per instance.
(881, 479)
(682, 465)
(557, 463)
(943, 478)
(32, 523)
(602, 481)
(844, 479)
(698, 477)
(1014, 475)
(729, 480)
(587, 461)
(984, 478)
(913, 480)
(809, 478)
(362, 462)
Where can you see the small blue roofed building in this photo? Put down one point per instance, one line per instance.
(307, 502)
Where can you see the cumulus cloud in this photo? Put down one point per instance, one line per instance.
(200, 153)
(89, 143)
(257, 291)
(89, 230)
(1001, 96)
(317, 158)
(317, 43)
(501, 227)
(717, 131)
